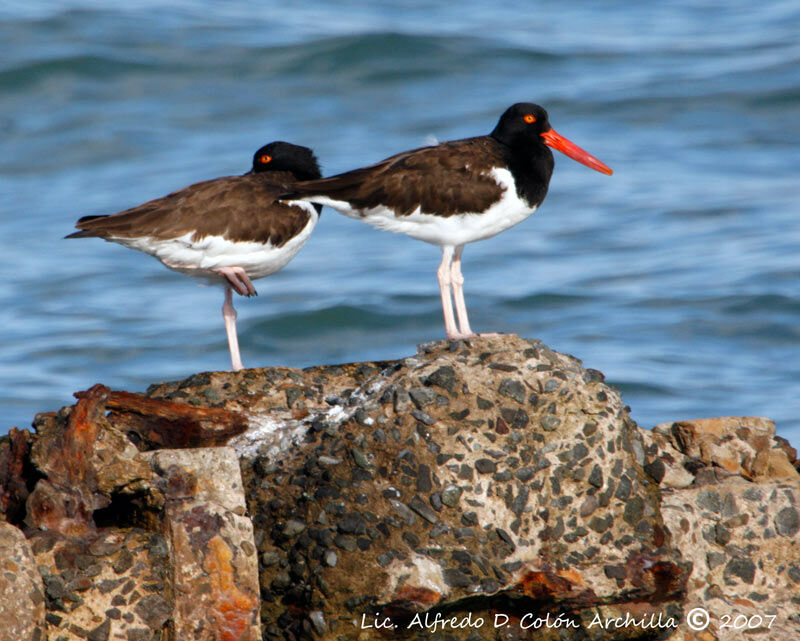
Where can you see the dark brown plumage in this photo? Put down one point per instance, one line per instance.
(231, 207)
(230, 230)
(445, 180)
(237, 208)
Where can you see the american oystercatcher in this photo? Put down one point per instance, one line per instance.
(454, 193)
(228, 230)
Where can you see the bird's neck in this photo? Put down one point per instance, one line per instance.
(531, 169)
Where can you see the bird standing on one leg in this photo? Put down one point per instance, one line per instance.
(228, 230)
(454, 193)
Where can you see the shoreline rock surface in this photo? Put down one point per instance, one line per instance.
(490, 489)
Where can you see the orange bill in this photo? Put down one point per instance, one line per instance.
(569, 148)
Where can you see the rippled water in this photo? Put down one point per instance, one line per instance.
(679, 276)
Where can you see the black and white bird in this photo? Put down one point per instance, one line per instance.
(454, 193)
(228, 230)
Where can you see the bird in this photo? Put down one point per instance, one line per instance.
(229, 230)
(454, 193)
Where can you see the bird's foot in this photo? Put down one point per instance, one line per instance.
(238, 279)
(459, 336)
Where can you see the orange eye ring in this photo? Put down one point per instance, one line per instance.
(529, 118)
(265, 159)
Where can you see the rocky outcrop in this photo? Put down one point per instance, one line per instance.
(730, 496)
(22, 604)
(493, 489)
(134, 543)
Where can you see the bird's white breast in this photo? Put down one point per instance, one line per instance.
(457, 229)
(200, 258)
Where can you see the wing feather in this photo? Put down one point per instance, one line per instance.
(448, 179)
(237, 208)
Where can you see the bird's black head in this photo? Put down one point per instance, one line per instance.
(522, 125)
(284, 156)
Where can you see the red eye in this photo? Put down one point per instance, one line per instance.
(265, 159)
(529, 118)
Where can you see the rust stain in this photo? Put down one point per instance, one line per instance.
(418, 595)
(82, 430)
(663, 579)
(543, 584)
(668, 577)
(410, 600)
(232, 610)
(734, 467)
(65, 500)
(170, 424)
(744, 602)
(659, 536)
(573, 576)
(292, 385)
(13, 484)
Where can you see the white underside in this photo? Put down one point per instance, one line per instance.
(453, 230)
(201, 258)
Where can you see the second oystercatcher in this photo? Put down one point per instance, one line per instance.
(228, 230)
(454, 193)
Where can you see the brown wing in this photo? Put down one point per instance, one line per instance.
(448, 179)
(238, 208)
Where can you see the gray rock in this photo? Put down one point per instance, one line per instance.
(403, 511)
(744, 569)
(423, 510)
(787, 522)
(513, 389)
(451, 495)
(422, 396)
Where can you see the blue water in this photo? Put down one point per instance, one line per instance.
(679, 276)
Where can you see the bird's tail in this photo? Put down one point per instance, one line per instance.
(84, 233)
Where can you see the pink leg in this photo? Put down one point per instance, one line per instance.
(457, 283)
(238, 279)
(229, 316)
(443, 276)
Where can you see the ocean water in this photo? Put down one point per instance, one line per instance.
(678, 277)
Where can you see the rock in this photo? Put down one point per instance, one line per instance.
(773, 464)
(129, 571)
(84, 463)
(14, 468)
(169, 424)
(739, 445)
(130, 543)
(475, 480)
(729, 498)
(442, 547)
(22, 597)
(213, 554)
(787, 522)
(740, 556)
